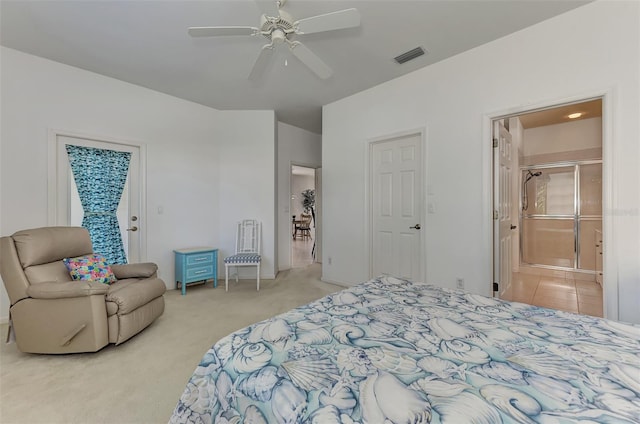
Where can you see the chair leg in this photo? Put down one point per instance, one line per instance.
(226, 277)
(258, 278)
(236, 274)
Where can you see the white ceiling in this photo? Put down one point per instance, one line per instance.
(146, 43)
(303, 170)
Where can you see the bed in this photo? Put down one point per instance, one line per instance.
(395, 351)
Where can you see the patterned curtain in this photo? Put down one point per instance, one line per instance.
(100, 176)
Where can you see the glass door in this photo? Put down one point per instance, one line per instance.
(561, 209)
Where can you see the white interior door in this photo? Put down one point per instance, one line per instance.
(68, 209)
(396, 207)
(502, 206)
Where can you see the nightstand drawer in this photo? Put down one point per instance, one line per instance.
(199, 259)
(197, 273)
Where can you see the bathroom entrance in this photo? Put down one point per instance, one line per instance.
(556, 186)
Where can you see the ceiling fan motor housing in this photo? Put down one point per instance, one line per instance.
(276, 29)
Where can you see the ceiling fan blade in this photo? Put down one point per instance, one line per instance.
(340, 19)
(310, 59)
(261, 63)
(222, 31)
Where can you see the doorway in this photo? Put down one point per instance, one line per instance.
(303, 208)
(65, 207)
(556, 192)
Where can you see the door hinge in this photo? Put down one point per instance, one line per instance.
(495, 287)
(495, 214)
(495, 142)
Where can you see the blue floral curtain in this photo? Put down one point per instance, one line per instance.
(100, 176)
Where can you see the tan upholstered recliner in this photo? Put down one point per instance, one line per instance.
(51, 313)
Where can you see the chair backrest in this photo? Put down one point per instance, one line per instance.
(305, 219)
(34, 256)
(248, 236)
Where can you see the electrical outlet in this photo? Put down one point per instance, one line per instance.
(460, 283)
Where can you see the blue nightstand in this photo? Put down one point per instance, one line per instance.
(196, 264)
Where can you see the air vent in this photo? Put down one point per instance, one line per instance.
(410, 55)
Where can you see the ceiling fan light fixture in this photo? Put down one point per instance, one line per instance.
(278, 36)
(409, 55)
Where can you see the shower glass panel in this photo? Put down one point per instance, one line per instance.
(561, 208)
(591, 189)
(587, 242)
(551, 192)
(548, 242)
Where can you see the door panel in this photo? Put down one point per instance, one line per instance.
(503, 225)
(407, 183)
(396, 199)
(68, 210)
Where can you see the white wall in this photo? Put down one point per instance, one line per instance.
(206, 168)
(247, 182)
(565, 137)
(454, 100)
(298, 147)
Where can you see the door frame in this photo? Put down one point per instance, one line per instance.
(610, 271)
(421, 132)
(53, 171)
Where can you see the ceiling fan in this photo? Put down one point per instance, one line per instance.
(282, 29)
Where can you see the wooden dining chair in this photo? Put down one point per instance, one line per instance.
(304, 228)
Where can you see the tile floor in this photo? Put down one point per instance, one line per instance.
(301, 251)
(558, 291)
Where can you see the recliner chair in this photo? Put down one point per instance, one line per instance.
(51, 313)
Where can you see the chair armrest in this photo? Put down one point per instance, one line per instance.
(141, 270)
(57, 290)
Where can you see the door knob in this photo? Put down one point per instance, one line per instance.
(134, 228)
(417, 227)
(513, 227)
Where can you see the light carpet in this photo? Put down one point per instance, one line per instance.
(141, 380)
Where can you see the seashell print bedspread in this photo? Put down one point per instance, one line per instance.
(394, 351)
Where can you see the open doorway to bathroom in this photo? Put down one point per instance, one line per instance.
(303, 216)
(555, 190)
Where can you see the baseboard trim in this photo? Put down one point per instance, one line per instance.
(221, 280)
(337, 283)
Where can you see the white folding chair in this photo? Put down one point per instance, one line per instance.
(247, 250)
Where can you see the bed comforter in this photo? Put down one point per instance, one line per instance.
(394, 351)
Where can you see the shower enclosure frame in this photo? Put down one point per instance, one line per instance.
(577, 217)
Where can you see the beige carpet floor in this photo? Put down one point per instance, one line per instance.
(141, 380)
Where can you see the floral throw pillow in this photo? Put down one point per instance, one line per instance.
(92, 267)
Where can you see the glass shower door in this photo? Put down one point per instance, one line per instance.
(561, 209)
(548, 216)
